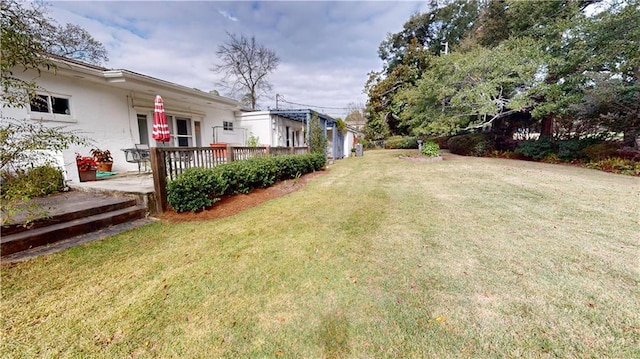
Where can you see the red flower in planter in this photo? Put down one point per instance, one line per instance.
(85, 163)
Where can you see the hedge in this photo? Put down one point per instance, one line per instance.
(475, 144)
(199, 188)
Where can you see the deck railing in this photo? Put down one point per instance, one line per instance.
(169, 162)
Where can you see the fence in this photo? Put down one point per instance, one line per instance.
(169, 162)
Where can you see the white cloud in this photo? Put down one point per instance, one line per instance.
(326, 48)
(227, 15)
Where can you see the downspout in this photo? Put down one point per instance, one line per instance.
(214, 133)
(306, 137)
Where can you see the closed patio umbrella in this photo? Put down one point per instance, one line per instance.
(160, 127)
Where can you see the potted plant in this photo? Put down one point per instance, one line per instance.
(87, 168)
(103, 159)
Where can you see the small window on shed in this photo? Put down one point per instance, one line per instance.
(227, 126)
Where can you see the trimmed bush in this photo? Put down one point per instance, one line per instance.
(441, 141)
(195, 189)
(198, 188)
(475, 144)
(399, 142)
(601, 151)
(430, 149)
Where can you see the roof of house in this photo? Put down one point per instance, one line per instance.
(302, 115)
(133, 81)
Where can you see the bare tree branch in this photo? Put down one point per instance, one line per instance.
(245, 66)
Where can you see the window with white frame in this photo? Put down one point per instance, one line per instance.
(53, 105)
(227, 126)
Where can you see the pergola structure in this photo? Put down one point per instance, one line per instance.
(304, 115)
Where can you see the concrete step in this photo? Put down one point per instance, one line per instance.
(82, 223)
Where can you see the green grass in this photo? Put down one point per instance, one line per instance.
(379, 258)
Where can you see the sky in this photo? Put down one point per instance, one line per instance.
(326, 48)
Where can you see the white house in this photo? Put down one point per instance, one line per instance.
(114, 108)
(289, 128)
(275, 128)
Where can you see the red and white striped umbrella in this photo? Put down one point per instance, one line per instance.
(160, 127)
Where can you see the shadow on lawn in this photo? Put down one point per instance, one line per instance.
(334, 334)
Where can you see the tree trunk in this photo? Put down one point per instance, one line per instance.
(546, 126)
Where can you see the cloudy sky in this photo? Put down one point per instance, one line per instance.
(326, 48)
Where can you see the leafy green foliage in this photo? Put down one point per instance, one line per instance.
(476, 144)
(536, 149)
(35, 182)
(194, 190)
(27, 32)
(555, 151)
(617, 165)
(511, 61)
(601, 151)
(401, 142)
(441, 141)
(430, 149)
(26, 183)
(198, 188)
(26, 143)
(317, 138)
(253, 140)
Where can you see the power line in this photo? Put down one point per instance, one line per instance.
(280, 98)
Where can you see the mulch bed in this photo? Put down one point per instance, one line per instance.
(231, 205)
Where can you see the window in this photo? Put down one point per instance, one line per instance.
(183, 134)
(50, 104)
(143, 129)
(227, 126)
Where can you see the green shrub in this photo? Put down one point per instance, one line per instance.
(617, 165)
(601, 151)
(198, 188)
(35, 182)
(441, 141)
(430, 149)
(536, 149)
(475, 144)
(195, 189)
(400, 142)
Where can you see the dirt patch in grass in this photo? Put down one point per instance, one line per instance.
(231, 205)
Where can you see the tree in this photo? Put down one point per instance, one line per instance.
(23, 40)
(27, 36)
(406, 56)
(74, 42)
(447, 22)
(245, 65)
(472, 89)
(317, 138)
(356, 115)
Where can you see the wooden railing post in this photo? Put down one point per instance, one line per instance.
(159, 171)
(229, 153)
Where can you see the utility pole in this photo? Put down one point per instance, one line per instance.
(446, 47)
(277, 98)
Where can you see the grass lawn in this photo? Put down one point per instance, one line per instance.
(379, 258)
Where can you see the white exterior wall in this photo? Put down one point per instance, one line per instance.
(107, 112)
(348, 143)
(271, 129)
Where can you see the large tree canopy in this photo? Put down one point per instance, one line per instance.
(563, 63)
